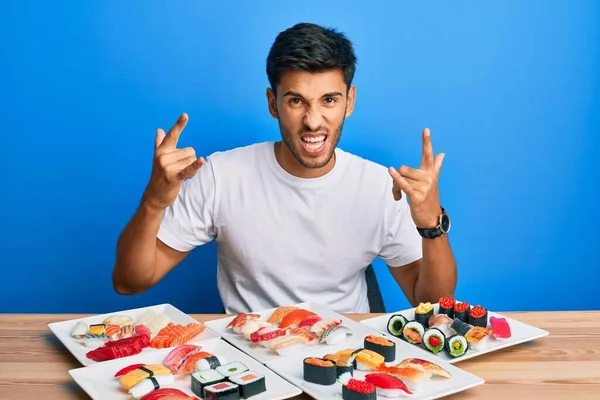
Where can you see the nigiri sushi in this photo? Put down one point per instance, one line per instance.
(149, 384)
(240, 320)
(424, 366)
(293, 319)
(500, 328)
(413, 378)
(280, 313)
(441, 322)
(478, 338)
(335, 335)
(387, 385)
(288, 345)
(264, 335)
(319, 327)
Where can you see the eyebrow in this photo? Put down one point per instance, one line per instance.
(296, 94)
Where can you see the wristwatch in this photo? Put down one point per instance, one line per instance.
(441, 229)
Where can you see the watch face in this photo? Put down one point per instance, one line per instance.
(445, 223)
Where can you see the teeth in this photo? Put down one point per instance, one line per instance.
(314, 139)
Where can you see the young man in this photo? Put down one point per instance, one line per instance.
(296, 220)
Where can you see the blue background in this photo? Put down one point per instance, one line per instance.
(510, 90)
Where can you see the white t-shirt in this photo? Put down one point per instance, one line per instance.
(283, 240)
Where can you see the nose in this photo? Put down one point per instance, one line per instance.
(313, 118)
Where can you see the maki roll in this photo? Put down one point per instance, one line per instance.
(202, 379)
(381, 345)
(358, 390)
(447, 306)
(396, 324)
(423, 312)
(232, 368)
(434, 340)
(319, 371)
(456, 346)
(222, 391)
(478, 317)
(211, 362)
(460, 327)
(413, 332)
(250, 383)
(461, 311)
(343, 365)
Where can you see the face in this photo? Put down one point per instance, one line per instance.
(311, 109)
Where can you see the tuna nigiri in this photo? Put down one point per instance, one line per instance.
(387, 385)
(293, 319)
(500, 328)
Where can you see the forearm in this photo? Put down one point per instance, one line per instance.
(437, 274)
(135, 265)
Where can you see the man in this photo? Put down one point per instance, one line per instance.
(297, 220)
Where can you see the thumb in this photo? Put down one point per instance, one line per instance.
(160, 135)
(437, 162)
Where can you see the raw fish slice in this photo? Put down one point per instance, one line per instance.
(302, 332)
(251, 326)
(142, 330)
(120, 320)
(266, 334)
(240, 320)
(294, 318)
(425, 366)
(127, 331)
(335, 335)
(412, 378)
(167, 392)
(288, 345)
(179, 355)
(190, 362)
(113, 331)
(440, 321)
(127, 369)
(321, 326)
(280, 313)
(388, 383)
(310, 321)
(175, 335)
(500, 328)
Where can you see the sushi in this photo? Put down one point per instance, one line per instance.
(460, 327)
(288, 345)
(478, 316)
(178, 357)
(293, 319)
(434, 340)
(355, 389)
(319, 371)
(231, 368)
(461, 311)
(240, 320)
(456, 346)
(478, 338)
(251, 326)
(279, 313)
(500, 328)
(132, 378)
(387, 385)
(396, 324)
(413, 332)
(149, 384)
(264, 335)
(424, 366)
(423, 312)
(202, 379)
(80, 330)
(250, 383)
(310, 321)
(381, 345)
(440, 321)
(343, 364)
(120, 320)
(222, 391)
(211, 362)
(367, 360)
(152, 320)
(446, 306)
(97, 329)
(413, 378)
(335, 335)
(319, 327)
(170, 393)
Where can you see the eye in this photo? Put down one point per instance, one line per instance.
(330, 100)
(295, 101)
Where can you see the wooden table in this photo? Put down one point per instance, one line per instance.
(563, 365)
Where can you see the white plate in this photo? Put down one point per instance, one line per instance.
(292, 370)
(62, 330)
(264, 354)
(520, 333)
(99, 383)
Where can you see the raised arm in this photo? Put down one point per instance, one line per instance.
(142, 259)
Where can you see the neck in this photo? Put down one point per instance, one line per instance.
(288, 162)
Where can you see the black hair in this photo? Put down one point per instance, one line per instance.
(313, 48)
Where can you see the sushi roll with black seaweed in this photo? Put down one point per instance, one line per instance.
(343, 365)
(211, 362)
(460, 327)
(423, 312)
(222, 391)
(434, 340)
(381, 345)
(202, 379)
(413, 332)
(355, 389)
(461, 311)
(319, 371)
(456, 346)
(396, 325)
(250, 383)
(478, 316)
(446, 306)
(231, 368)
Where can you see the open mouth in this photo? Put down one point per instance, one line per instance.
(314, 144)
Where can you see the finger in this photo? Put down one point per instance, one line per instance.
(160, 135)
(401, 183)
(170, 141)
(412, 173)
(396, 191)
(427, 156)
(190, 170)
(437, 162)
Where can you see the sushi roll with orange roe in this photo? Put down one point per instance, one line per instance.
(381, 345)
(319, 371)
(355, 389)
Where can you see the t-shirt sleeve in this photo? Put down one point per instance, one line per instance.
(190, 221)
(402, 243)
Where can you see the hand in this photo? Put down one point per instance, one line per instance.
(421, 186)
(171, 167)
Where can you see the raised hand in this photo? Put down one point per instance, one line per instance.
(171, 166)
(421, 186)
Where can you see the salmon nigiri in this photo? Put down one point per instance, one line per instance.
(293, 319)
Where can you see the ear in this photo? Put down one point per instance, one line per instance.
(350, 101)
(271, 101)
